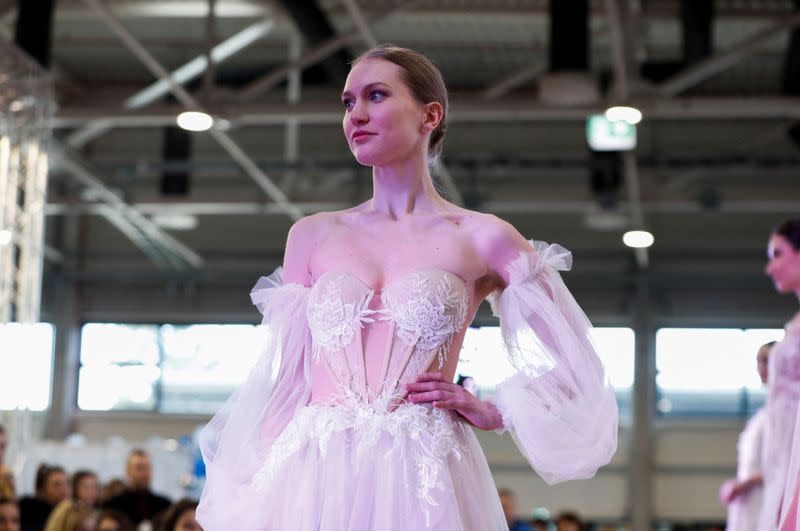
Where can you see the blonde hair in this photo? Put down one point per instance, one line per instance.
(69, 516)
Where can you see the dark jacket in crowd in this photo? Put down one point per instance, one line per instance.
(33, 513)
(138, 505)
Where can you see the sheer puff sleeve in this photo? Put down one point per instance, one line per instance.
(559, 406)
(236, 441)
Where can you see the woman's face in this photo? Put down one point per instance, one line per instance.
(187, 522)
(783, 265)
(383, 122)
(87, 491)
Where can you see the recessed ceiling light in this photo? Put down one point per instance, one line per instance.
(195, 121)
(624, 114)
(638, 239)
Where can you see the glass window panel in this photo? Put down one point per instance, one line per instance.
(203, 364)
(709, 371)
(119, 367)
(26, 355)
(483, 357)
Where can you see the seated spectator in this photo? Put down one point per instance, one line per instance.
(70, 516)
(52, 488)
(3, 444)
(138, 502)
(509, 504)
(180, 517)
(7, 483)
(85, 488)
(109, 520)
(9, 514)
(113, 488)
(568, 521)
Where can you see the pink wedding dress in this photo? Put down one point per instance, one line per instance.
(319, 439)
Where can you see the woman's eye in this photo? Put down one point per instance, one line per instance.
(348, 104)
(377, 95)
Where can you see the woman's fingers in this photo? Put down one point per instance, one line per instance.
(430, 376)
(430, 386)
(430, 396)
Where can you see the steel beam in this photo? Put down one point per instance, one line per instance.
(224, 140)
(721, 61)
(181, 75)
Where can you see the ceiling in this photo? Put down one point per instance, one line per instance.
(714, 169)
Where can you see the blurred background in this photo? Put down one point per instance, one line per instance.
(129, 243)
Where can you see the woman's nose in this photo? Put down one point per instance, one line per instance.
(358, 115)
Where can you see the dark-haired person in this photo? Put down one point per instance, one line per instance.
(85, 488)
(138, 502)
(744, 494)
(9, 514)
(509, 503)
(111, 520)
(568, 521)
(181, 517)
(350, 421)
(52, 487)
(782, 464)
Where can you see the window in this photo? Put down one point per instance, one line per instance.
(704, 371)
(165, 368)
(26, 355)
(483, 358)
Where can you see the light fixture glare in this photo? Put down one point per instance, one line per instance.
(195, 121)
(624, 114)
(5, 237)
(638, 239)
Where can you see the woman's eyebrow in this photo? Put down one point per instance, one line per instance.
(367, 87)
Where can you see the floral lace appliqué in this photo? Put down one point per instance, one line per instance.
(333, 321)
(431, 434)
(430, 312)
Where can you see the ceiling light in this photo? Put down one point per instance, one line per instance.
(624, 114)
(195, 121)
(5, 237)
(638, 239)
(175, 221)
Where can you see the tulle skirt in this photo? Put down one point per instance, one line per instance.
(337, 468)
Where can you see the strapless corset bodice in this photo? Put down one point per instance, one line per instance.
(413, 320)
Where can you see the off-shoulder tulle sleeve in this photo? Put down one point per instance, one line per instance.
(236, 441)
(559, 406)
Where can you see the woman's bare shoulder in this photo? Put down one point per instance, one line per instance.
(497, 241)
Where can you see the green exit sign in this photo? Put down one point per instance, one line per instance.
(604, 135)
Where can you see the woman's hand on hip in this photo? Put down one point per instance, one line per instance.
(431, 387)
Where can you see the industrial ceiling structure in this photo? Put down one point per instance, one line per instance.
(149, 221)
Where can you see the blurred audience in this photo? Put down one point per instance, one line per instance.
(70, 516)
(114, 487)
(568, 521)
(85, 488)
(52, 488)
(3, 444)
(110, 520)
(180, 517)
(9, 514)
(509, 503)
(7, 484)
(138, 502)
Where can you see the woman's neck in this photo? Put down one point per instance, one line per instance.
(404, 188)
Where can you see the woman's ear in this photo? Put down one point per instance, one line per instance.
(434, 112)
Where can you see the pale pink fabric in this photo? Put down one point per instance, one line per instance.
(782, 409)
(744, 511)
(319, 439)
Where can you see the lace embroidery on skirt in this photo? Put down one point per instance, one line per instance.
(432, 432)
